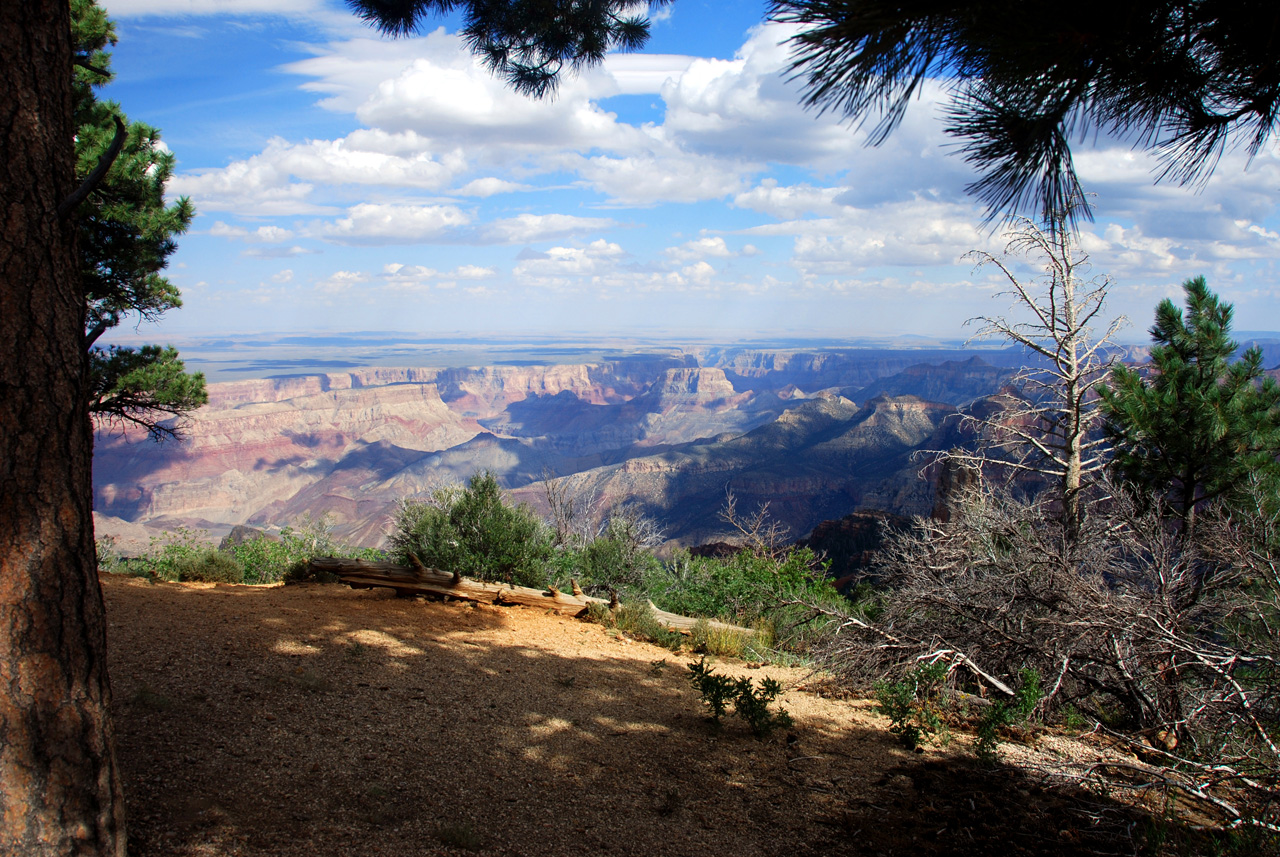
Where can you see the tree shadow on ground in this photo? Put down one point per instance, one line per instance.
(323, 722)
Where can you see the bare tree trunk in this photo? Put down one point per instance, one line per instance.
(59, 787)
(1046, 428)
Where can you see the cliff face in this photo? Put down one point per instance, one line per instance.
(953, 382)
(664, 431)
(239, 455)
(815, 462)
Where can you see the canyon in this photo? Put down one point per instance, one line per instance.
(815, 434)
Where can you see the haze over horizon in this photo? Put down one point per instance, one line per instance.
(346, 182)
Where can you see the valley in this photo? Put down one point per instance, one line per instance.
(816, 433)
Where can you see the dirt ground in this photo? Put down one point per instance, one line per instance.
(318, 720)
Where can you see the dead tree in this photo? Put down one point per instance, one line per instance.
(1048, 423)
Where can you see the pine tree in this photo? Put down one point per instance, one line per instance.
(1182, 78)
(126, 235)
(62, 789)
(1196, 426)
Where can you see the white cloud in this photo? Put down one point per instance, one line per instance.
(699, 248)
(261, 235)
(371, 223)
(277, 252)
(252, 187)
(645, 74)
(900, 234)
(448, 95)
(473, 272)
(653, 179)
(490, 186)
(283, 276)
(340, 283)
(282, 178)
(559, 262)
(699, 273)
(530, 228)
(791, 202)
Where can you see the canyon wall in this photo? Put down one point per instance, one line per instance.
(667, 432)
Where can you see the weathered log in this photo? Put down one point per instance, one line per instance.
(406, 580)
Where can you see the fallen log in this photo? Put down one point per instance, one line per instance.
(419, 579)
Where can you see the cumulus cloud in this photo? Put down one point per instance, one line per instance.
(530, 228)
(700, 273)
(490, 186)
(699, 248)
(902, 234)
(595, 258)
(281, 178)
(261, 235)
(788, 202)
(650, 179)
(372, 223)
(251, 187)
(340, 283)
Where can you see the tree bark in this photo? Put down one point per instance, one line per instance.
(59, 786)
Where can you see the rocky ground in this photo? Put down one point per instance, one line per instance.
(316, 720)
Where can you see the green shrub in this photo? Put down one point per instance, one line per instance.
(752, 705)
(1002, 714)
(264, 559)
(176, 549)
(108, 555)
(473, 532)
(638, 621)
(746, 589)
(268, 560)
(914, 704)
(209, 566)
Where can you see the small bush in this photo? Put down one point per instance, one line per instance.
(749, 589)
(209, 566)
(914, 704)
(637, 621)
(1003, 714)
(749, 703)
(176, 549)
(269, 560)
(473, 532)
(108, 555)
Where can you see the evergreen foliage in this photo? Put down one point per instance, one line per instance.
(527, 42)
(126, 235)
(473, 532)
(1182, 77)
(750, 703)
(138, 385)
(1196, 426)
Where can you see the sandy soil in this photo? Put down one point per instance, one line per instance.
(318, 720)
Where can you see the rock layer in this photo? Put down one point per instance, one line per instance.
(668, 432)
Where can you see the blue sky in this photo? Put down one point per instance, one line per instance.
(344, 181)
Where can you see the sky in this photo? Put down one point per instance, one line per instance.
(344, 181)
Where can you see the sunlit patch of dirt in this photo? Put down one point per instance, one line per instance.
(317, 720)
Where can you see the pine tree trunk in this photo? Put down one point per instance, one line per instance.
(59, 787)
